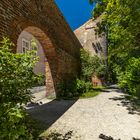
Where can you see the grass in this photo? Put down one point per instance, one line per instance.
(96, 91)
(89, 94)
(99, 87)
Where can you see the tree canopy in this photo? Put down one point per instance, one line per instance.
(121, 23)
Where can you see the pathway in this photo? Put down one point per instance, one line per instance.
(108, 113)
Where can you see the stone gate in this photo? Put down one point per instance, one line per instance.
(44, 21)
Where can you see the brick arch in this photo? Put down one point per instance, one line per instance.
(52, 59)
(44, 21)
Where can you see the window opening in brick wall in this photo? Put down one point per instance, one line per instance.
(25, 45)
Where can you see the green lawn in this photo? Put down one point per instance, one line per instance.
(89, 94)
(96, 91)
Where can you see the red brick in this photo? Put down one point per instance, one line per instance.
(48, 25)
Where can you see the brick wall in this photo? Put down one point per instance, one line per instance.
(43, 20)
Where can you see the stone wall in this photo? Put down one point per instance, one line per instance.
(45, 22)
(93, 43)
(90, 40)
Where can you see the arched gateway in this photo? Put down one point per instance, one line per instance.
(44, 21)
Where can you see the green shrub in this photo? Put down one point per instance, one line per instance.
(80, 86)
(16, 77)
(40, 82)
(83, 86)
(75, 88)
(131, 77)
(91, 65)
(138, 90)
(67, 89)
(88, 86)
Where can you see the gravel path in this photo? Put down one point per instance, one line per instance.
(108, 113)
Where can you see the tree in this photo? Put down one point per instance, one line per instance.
(121, 18)
(16, 80)
(91, 65)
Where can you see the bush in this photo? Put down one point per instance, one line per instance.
(131, 77)
(75, 88)
(82, 86)
(88, 86)
(91, 65)
(16, 77)
(67, 89)
(40, 82)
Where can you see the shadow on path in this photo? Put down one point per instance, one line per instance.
(104, 137)
(113, 88)
(58, 136)
(132, 105)
(50, 112)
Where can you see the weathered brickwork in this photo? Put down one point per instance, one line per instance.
(93, 43)
(90, 40)
(43, 20)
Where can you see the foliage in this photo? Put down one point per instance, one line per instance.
(131, 77)
(91, 65)
(83, 87)
(75, 88)
(99, 7)
(121, 24)
(35, 127)
(16, 78)
(89, 94)
(40, 82)
(67, 89)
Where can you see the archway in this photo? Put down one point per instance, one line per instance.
(48, 55)
(47, 24)
(26, 42)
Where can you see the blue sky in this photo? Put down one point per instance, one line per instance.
(76, 12)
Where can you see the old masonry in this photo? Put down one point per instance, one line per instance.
(43, 20)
